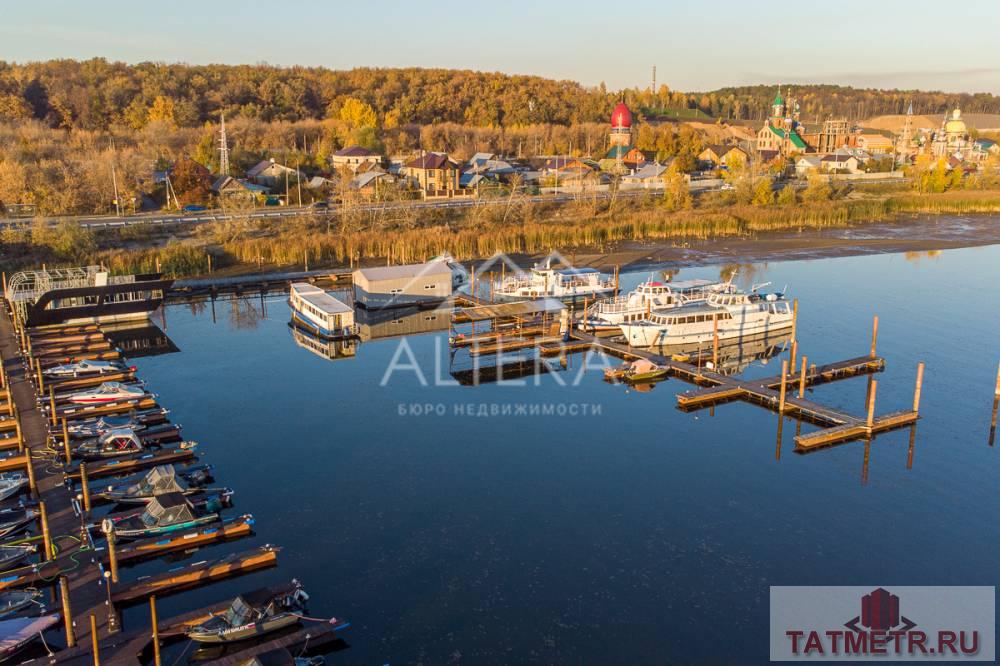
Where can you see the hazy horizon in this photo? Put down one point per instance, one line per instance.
(866, 45)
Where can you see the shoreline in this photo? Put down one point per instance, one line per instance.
(909, 233)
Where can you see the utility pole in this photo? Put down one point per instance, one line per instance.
(223, 148)
(298, 179)
(114, 182)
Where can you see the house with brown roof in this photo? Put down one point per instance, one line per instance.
(434, 174)
(353, 157)
(270, 173)
(717, 155)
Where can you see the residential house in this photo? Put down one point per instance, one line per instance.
(983, 148)
(271, 174)
(622, 159)
(434, 174)
(718, 155)
(807, 164)
(839, 163)
(371, 180)
(227, 186)
(354, 156)
(649, 177)
(320, 183)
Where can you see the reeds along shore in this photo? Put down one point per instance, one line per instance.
(469, 241)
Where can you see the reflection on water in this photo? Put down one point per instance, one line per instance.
(139, 339)
(330, 349)
(394, 322)
(460, 536)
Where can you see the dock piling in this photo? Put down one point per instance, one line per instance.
(802, 378)
(794, 356)
(874, 335)
(67, 611)
(29, 465)
(85, 486)
(108, 528)
(715, 342)
(52, 405)
(917, 387)
(46, 535)
(156, 630)
(93, 640)
(66, 448)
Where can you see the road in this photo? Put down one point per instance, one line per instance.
(219, 215)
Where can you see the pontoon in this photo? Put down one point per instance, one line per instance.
(543, 281)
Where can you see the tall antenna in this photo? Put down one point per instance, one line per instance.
(653, 89)
(223, 148)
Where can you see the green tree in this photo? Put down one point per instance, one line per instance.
(786, 195)
(818, 188)
(763, 192)
(676, 193)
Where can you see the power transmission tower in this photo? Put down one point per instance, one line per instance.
(223, 148)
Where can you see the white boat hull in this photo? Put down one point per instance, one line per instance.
(645, 334)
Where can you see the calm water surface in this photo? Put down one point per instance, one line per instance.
(641, 535)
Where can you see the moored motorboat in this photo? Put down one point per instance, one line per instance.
(543, 281)
(85, 368)
(16, 519)
(136, 420)
(119, 442)
(609, 313)
(17, 633)
(11, 556)
(252, 615)
(15, 601)
(11, 483)
(107, 392)
(164, 479)
(728, 316)
(163, 514)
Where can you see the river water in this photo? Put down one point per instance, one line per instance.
(615, 529)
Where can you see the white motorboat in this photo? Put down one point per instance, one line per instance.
(543, 281)
(107, 392)
(610, 313)
(731, 316)
(85, 368)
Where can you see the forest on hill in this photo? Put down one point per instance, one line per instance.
(97, 95)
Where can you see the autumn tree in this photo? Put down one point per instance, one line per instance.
(191, 181)
(763, 192)
(162, 111)
(676, 193)
(817, 189)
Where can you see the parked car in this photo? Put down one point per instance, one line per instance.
(320, 205)
(193, 208)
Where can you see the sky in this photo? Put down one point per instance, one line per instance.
(695, 46)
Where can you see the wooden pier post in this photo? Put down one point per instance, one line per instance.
(874, 334)
(67, 611)
(46, 535)
(909, 451)
(41, 377)
(795, 320)
(17, 429)
(996, 405)
(472, 281)
(30, 466)
(784, 387)
(870, 421)
(108, 527)
(52, 405)
(85, 486)
(66, 448)
(802, 378)
(916, 388)
(156, 630)
(795, 355)
(93, 640)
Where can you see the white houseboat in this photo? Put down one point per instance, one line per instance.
(543, 281)
(410, 284)
(649, 296)
(737, 316)
(320, 313)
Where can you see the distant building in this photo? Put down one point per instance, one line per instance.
(269, 173)
(953, 138)
(227, 186)
(839, 163)
(621, 159)
(807, 164)
(648, 177)
(396, 286)
(983, 148)
(434, 174)
(780, 132)
(874, 144)
(354, 156)
(717, 155)
(371, 180)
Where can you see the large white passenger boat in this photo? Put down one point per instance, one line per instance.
(543, 281)
(320, 313)
(649, 296)
(738, 316)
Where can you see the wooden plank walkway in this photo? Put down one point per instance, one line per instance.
(837, 426)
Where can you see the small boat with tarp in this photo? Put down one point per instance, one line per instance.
(638, 371)
(252, 615)
(11, 483)
(85, 368)
(16, 519)
(17, 633)
(137, 420)
(163, 514)
(164, 479)
(120, 442)
(13, 602)
(11, 556)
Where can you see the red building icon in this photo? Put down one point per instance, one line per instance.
(880, 610)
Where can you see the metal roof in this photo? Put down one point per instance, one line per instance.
(405, 271)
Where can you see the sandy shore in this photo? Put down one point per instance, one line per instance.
(906, 234)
